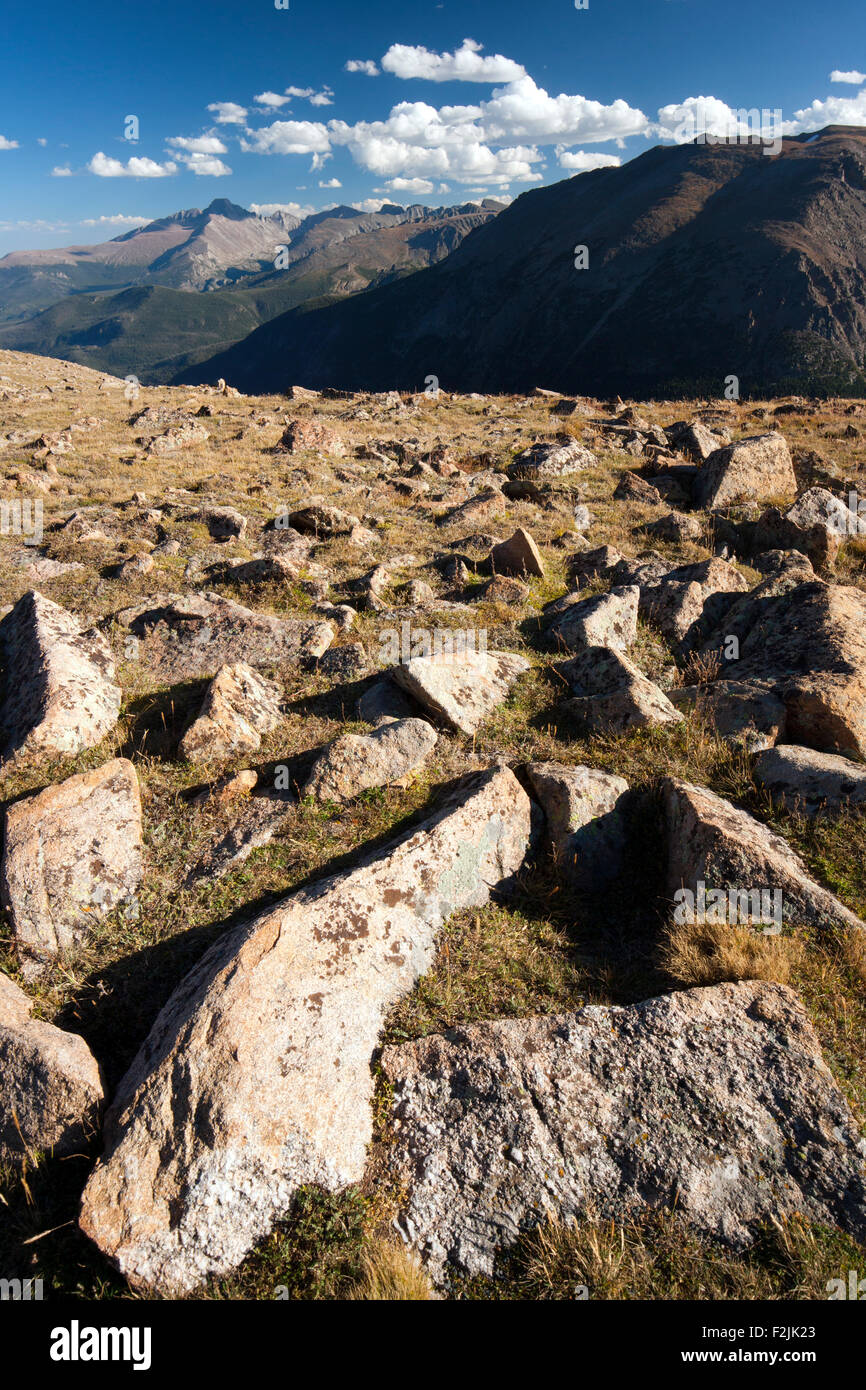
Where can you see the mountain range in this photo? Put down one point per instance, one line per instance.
(703, 261)
(159, 298)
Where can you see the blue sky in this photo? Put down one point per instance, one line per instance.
(240, 99)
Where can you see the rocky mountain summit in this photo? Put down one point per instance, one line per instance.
(433, 840)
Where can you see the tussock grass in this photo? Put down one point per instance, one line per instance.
(711, 953)
(391, 1273)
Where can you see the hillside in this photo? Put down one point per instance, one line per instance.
(704, 261)
(155, 332)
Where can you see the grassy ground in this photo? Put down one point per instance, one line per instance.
(545, 951)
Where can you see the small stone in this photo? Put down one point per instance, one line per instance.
(357, 762)
(239, 706)
(51, 1091)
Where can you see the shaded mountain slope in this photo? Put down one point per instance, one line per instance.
(704, 261)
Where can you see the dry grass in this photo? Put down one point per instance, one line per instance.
(657, 1257)
(710, 953)
(392, 1274)
(546, 950)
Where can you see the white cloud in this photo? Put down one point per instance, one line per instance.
(365, 65)
(300, 91)
(228, 112)
(268, 209)
(8, 144)
(288, 137)
(418, 140)
(41, 140)
(272, 99)
(330, 183)
(854, 77)
(833, 111)
(198, 144)
(583, 160)
(39, 225)
(683, 121)
(135, 168)
(410, 185)
(369, 205)
(205, 164)
(61, 173)
(117, 219)
(464, 65)
(321, 99)
(524, 111)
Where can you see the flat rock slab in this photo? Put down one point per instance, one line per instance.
(256, 1076)
(551, 459)
(357, 762)
(758, 469)
(50, 1088)
(811, 782)
(60, 692)
(714, 843)
(462, 691)
(239, 706)
(251, 827)
(71, 854)
(187, 636)
(714, 1102)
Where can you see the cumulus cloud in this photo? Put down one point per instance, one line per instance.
(300, 91)
(365, 65)
(61, 172)
(584, 160)
(464, 65)
(269, 209)
(8, 144)
(135, 168)
(855, 77)
(197, 144)
(833, 111)
(117, 219)
(271, 99)
(205, 164)
(288, 137)
(325, 98)
(418, 140)
(42, 141)
(683, 121)
(411, 185)
(330, 183)
(228, 112)
(524, 111)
